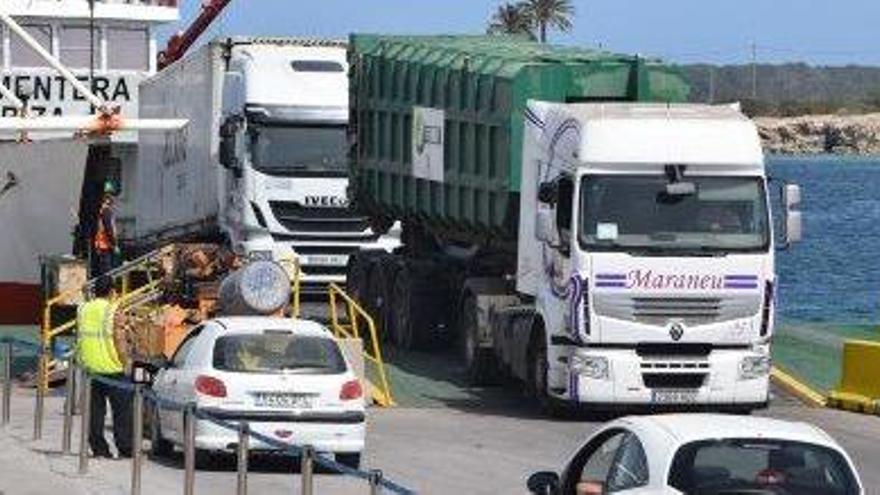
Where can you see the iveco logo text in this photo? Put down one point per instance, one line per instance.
(676, 331)
(325, 202)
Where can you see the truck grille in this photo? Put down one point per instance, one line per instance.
(674, 380)
(659, 311)
(298, 218)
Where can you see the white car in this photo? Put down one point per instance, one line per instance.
(288, 378)
(704, 454)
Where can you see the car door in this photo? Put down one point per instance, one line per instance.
(612, 462)
(168, 387)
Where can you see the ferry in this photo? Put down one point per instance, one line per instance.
(50, 184)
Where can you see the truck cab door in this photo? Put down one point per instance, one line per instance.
(557, 285)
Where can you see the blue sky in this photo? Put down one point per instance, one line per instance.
(834, 32)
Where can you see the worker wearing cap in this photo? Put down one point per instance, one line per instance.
(98, 352)
(106, 245)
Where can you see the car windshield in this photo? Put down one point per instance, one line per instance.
(627, 213)
(319, 150)
(753, 466)
(277, 352)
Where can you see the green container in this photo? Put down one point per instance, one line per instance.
(481, 84)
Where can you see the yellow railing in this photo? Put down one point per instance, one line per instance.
(372, 353)
(122, 275)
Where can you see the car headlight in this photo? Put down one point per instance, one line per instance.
(754, 367)
(595, 367)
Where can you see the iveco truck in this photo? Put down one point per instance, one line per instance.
(262, 164)
(566, 222)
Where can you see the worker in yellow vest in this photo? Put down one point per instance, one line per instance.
(97, 352)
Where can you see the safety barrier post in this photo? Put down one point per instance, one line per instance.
(85, 419)
(307, 470)
(7, 381)
(189, 449)
(80, 391)
(40, 397)
(69, 397)
(375, 480)
(242, 452)
(137, 438)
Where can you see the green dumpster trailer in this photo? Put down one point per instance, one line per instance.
(481, 84)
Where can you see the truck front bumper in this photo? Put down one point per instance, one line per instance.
(630, 379)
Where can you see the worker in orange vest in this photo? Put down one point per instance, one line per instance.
(106, 245)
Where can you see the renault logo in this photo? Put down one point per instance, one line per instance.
(676, 331)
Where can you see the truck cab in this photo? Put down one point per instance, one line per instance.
(648, 245)
(284, 145)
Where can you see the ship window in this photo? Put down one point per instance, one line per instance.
(75, 50)
(127, 49)
(22, 55)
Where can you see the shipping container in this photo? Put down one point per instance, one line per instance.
(438, 121)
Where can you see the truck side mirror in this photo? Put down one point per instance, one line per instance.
(547, 193)
(228, 135)
(791, 199)
(545, 226)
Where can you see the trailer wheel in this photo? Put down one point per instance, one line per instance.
(402, 319)
(479, 364)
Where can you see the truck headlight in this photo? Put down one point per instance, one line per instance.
(754, 367)
(595, 367)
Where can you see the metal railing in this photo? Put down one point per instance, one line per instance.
(309, 457)
(381, 392)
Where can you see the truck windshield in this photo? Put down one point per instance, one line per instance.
(300, 150)
(632, 213)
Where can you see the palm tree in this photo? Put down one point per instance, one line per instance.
(545, 14)
(511, 18)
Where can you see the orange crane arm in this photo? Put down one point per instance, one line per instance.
(181, 42)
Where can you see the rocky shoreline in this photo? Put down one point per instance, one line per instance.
(813, 134)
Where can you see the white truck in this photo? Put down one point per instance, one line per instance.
(646, 240)
(262, 165)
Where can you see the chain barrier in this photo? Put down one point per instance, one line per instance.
(307, 454)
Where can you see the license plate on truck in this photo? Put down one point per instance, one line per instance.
(673, 396)
(284, 401)
(325, 259)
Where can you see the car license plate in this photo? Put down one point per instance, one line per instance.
(325, 260)
(284, 401)
(673, 396)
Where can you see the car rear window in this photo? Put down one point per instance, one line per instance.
(276, 352)
(760, 466)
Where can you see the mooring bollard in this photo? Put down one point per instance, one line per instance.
(307, 470)
(243, 449)
(41, 395)
(7, 381)
(189, 449)
(69, 397)
(375, 482)
(137, 438)
(84, 424)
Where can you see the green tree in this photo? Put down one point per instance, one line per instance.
(552, 14)
(511, 18)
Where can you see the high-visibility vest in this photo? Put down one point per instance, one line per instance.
(95, 347)
(102, 238)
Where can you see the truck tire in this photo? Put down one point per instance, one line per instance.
(356, 276)
(400, 310)
(537, 383)
(479, 363)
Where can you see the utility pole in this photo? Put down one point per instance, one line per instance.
(754, 71)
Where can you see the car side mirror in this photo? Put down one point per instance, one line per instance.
(543, 483)
(791, 199)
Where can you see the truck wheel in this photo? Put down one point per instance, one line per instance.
(538, 383)
(479, 364)
(402, 319)
(356, 273)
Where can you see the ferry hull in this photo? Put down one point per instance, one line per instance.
(40, 186)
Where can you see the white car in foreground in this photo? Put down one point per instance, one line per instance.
(288, 378)
(704, 454)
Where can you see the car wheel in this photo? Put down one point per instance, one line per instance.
(352, 460)
(159, 446)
